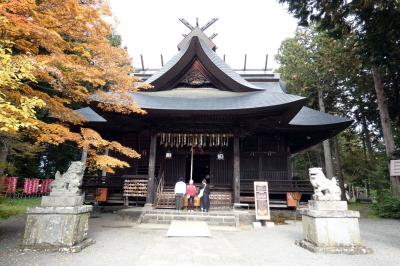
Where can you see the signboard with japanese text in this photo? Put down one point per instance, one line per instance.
(261, 199)
(395, 168)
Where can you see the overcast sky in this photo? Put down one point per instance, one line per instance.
(253, 27)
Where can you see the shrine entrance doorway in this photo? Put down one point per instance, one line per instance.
(201, 167)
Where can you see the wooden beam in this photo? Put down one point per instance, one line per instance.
(260, 159)
(208, 24)
(152, 169)
(187, 24)
(141, 59)
(236, 169)
(266, 63)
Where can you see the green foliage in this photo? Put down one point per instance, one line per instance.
(375, 24)
(115, 39)
(364, 208)
(13, 207)
(370, 34)
(304, 160)
(57, 158)
(387, 206)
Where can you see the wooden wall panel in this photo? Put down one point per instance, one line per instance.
(221, 170)
(265, 158)
(174, 168)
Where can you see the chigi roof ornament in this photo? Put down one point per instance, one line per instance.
(199, 32)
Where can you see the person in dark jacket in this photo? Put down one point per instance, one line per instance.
(205, 197)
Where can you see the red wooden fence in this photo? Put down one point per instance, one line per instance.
(31, 186)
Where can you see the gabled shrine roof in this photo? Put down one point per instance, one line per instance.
(227, 78)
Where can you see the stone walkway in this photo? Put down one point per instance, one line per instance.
(122, 242)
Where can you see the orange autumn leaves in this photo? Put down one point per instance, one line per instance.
(71, 58)
(92, 142)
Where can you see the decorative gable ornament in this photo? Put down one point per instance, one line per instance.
(194, 78)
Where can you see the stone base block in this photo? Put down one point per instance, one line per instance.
(331, 231)
(327, 205)
(62, 201)
(66, 249)
(56, 227)
(350, 250)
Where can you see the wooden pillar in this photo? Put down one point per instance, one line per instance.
(289, 163)
(236, 169)
(84, 156)
(260, 159)
(103, 172)
(152, 169)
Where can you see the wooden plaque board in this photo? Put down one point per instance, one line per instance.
(395, 168)
(261, 199)
(101, 194)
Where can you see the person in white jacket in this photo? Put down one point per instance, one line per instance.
(180, 191)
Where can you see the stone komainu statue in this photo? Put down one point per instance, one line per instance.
(324, 188)
(70, 181)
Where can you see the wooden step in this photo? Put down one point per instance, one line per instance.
(218, 200)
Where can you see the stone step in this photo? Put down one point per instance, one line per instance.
(218, 219)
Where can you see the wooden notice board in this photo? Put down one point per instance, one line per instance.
(261, 200)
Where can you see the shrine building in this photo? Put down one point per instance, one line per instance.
(206, 120)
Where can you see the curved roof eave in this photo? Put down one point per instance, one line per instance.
(309, 127)
(167, 76)
(251, 100)
(309, 117)
(90, 115)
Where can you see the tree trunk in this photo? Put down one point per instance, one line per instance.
(385, 122)
(339, 172)
(366, 136)
(3, 155)
(325, 143)
(384, 112)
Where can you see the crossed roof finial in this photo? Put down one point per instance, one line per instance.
(206, 26)
(196, 30)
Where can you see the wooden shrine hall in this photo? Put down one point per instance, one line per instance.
(205, 120)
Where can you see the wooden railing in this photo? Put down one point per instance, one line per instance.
(247, 185)
(264, 175)
(95, 181)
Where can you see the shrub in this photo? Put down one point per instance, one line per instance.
(387, 206)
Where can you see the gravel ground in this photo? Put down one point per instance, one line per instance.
(121, 242)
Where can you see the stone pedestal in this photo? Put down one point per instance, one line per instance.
(64, 200)
(61, 222)
(57, 228)
(329, 227)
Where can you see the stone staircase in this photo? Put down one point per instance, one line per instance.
(214, 218)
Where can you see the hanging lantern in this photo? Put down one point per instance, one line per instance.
(220, 156)
(168, 154)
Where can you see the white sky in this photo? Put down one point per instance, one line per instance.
(255, 27)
